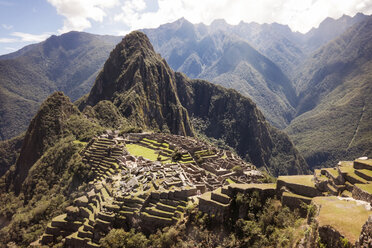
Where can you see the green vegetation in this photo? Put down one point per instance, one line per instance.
(107, 114)
(9, 151)
(334, 85)
(47, 190)
(238, 169)
(118, 238)
(226, 117)
(67, 63)
(230, 181)
(266, 224)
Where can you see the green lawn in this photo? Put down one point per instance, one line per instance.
(138, 150)
(345, 216)
(229, 181)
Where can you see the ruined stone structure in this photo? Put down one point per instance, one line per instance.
(131, 190)
(134, 191)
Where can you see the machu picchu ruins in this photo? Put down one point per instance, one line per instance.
(147, 180)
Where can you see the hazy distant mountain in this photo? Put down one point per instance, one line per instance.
(335, 104)
(220, 53)
(328, 30)
(69, 62)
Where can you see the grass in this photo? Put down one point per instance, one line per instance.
(367, 161)
(306, 180)
(345, 216)
(262, 186)
(366, 172)
(138, 150)
(331, 171)
(289, 194)
(350, 171)
(80, 142)
(365, 187)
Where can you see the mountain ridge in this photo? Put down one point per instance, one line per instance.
(28, 76)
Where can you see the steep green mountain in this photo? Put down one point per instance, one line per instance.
(9, 152)
(48, 171)
(45, 128)
(69, 63)
(142, 87)
(335, 115)
(147, 93)
(220, 53)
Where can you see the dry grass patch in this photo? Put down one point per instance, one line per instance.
(365, 187)
(345, 216)
(253, 185)
(307, 180)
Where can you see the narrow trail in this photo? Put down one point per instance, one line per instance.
(357, 127)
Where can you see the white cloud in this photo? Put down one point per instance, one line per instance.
(79, 13)
(299, 15)
(10, 48)
(18, 37)
(26, 37)
(7, 27)
(8, 40)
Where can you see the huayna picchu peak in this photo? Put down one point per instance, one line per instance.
(142, 86)
(152, 158)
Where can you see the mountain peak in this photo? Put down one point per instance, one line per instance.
(44, 129)
(142, 86)
(136, 40)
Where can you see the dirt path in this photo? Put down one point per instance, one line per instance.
(357, 128)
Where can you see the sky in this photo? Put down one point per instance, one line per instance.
(24, 22)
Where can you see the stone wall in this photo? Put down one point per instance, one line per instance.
(330, 236)
(294, 202)
(299, 189)
(365, 239)
(360, 194)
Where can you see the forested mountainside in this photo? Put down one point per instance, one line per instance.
(69, 63)
(334, 112)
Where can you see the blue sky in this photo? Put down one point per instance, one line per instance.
(23, 22)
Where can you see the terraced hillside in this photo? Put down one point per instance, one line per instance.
(144, 181)
(342, 196)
